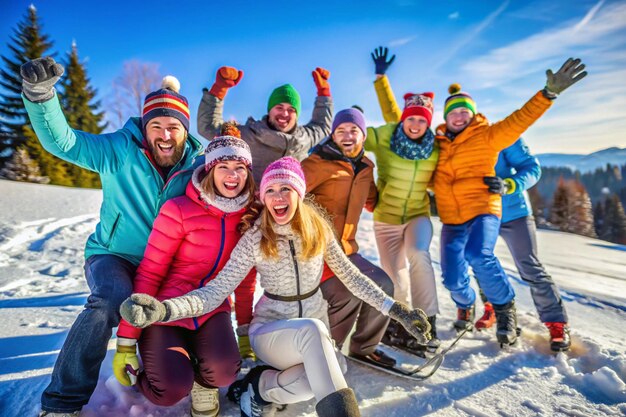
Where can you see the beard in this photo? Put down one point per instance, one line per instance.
(273, 126)
(166, 161)
(352, 153)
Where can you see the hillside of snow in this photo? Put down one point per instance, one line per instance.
(584, 163)
(43, 230)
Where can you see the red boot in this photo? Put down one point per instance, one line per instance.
(559, 336)
(488, 319)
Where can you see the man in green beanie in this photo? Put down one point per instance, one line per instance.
(277, 134)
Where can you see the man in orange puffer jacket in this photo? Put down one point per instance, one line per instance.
(469, 148)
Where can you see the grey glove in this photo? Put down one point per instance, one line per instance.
(141, 310)
(570, 73)
(39, 77)
(414, 321)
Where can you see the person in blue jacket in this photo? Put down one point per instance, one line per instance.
(517, 170)
(142, 165)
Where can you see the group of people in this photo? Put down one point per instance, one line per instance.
(182, 228)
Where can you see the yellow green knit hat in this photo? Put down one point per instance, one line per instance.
(458, 99)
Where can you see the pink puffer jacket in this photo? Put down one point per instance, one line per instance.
(190, 242)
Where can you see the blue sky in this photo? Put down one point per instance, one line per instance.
(497, 50)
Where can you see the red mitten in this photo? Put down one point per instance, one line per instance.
(225, 78)
(320, 77)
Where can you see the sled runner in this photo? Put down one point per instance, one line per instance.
(420, 372)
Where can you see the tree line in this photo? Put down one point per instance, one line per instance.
(22, 157)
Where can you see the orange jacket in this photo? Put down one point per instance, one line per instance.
(342, 193)
(460, 191)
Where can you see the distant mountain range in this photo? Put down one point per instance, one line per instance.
(584, 163)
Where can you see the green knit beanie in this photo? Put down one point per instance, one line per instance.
(284, 94)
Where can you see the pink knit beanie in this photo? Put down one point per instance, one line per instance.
(286, 170)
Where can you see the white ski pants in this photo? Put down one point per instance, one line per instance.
(399, 243)
(304, 354)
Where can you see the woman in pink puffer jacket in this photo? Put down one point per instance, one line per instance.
(191, 241)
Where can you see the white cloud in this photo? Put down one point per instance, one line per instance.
(469, 37)
(401, 41)
(453, 16)
(530, 55)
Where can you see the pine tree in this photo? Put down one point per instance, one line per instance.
(572, 210)
(27, 43)
(52, 167)
(538, 205)
(81, 111)
(22, 168)
(614, 225)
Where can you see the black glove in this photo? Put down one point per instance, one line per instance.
(414, 321)
(570, 73)
(499, 185)
(39, 77)
(380, 60)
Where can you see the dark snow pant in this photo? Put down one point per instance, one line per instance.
(344, 309)
(173, 357)
(75, 374)
(520, 236)
(472, 244)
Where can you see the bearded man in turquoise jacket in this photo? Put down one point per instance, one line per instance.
(142, 165)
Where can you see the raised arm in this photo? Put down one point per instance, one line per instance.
(100, 153)
(321, 119)
(211, 108)
(386, 98)
(504, 133)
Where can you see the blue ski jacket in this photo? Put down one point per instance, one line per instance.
(516, 162)
(133, 189)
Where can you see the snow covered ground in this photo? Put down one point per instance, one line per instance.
(42, 234)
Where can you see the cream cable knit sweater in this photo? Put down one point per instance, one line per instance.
(278, 276)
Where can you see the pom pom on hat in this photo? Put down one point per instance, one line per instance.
(167, 102)
(454, 88)
(171, 83)
(458, 99)
(418, 105)
(227, 147)
(286, 170)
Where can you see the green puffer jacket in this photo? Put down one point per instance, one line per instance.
(133, 190)
(401, 182)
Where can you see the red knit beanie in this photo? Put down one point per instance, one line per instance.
(418, 105)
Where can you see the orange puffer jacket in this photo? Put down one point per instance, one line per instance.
(190, 243)
(460, 191)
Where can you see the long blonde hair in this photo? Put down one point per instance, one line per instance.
(309, 222)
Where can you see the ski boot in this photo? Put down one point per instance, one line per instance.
(506, 322)
(488, 318)
(434, 343)
(559, 336)
(464, 319)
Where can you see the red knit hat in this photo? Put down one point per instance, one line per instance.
(418, 105)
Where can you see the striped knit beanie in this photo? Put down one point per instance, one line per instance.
(286, 170)
(285, 94)
(166, 102)
(458, 99)
(418, 105)
(227, 147)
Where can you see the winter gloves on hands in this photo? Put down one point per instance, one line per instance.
(502, 186)
(570, 73)
(141, 310)
(320, 77)
(39, 77)
(225, 78)
(380, 60)
(125, 361)
(414, 321)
